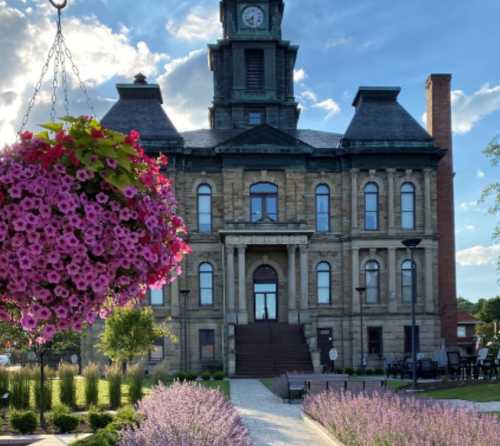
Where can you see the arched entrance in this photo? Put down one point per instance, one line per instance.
(265, 291)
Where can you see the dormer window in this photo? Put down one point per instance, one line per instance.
(255, 70)
(255, 118)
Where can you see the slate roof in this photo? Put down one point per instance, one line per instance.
(380, 118)
(140, 108)
(211, 138)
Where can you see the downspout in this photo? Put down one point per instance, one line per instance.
(224, 327)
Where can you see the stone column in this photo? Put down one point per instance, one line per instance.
(242, 290)
(429, 286)
(390, 200)
(292, 286)
(427, 202)
(354, 199)
(231, 307)
(355, 280)
(174, 298)
(304, 285)
(393, 304)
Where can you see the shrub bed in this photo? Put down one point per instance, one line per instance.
(393, 420)
(186, 414)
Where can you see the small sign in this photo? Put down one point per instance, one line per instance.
(333, 354)
(74, 359)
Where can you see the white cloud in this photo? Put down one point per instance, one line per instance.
(338, 42)
(299, 75)
(187, 90)
(468, 111)
(330, 106)
(99, 53)
(200, 24)
(309, 96)
(478, 255)
(480, 173)
(470, 206)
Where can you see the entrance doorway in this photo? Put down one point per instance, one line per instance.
(265, 291)
(325, 343)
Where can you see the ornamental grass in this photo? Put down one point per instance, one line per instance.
(67, 384)
(91, 374)
(187, 414)
(393, 420)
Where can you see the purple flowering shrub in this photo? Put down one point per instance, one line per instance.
(87, 221)
(391, 420)
(186, 415)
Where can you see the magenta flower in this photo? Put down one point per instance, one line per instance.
(28, 322)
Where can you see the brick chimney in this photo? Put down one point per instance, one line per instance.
(439, 126)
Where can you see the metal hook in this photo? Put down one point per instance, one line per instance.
(59, 6)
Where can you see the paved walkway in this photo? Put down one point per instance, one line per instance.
(270, 421)
(492, 406)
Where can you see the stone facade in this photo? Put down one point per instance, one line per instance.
(383, 148)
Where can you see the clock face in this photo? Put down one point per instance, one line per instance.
(253, 17)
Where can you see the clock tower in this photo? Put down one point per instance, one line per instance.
(253, 68)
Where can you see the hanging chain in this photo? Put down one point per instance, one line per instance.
(76, 72)
(60, 50)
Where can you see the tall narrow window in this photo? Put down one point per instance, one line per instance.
(158, 352)
(371, 207)
(204, 208)
(156, 297)
(375, 340)
(263, 202)
(323, 208)
(323, 283)
(372, 281)
(206, 280)
(255, 70)
(207, 345)
(408, 280)
(408, 338)
(408, 206)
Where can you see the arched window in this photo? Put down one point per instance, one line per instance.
(206, 282)
(372, 281)
(408, 280)
(408, 206)
(323, 208)
(265, 289)
(324, 283)
(204, 208)
(371, 207)
(263, 202)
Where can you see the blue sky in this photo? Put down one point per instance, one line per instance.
(343, 44)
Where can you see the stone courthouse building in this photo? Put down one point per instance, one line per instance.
(286, 223)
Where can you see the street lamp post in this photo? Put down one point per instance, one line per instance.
(412, 244)
(361, 291)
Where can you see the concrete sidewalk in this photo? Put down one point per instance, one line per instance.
(270, 421)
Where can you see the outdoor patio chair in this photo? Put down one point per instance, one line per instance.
(427, 369)
(483, 363)
(496, 363)
(455, 364)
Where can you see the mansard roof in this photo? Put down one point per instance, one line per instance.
(140, 108)
(380, 121)
(261, 135)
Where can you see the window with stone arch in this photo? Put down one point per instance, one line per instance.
(324, 283)
(263, 202)
(204, 194)
(371, 207)
(372, 282)
(408, 206)
(206, 283)
(322, 208)
(408, 280)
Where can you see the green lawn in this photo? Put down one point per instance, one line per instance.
(480, 392)
(268, 382)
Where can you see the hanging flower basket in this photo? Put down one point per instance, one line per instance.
(87, 222)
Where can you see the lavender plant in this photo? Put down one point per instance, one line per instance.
(392, 420)
(187, 414)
